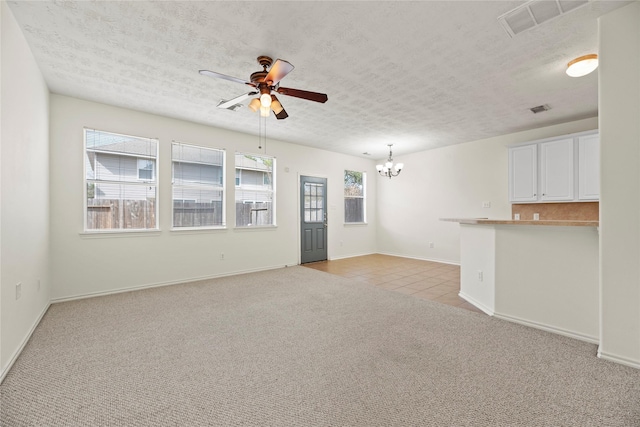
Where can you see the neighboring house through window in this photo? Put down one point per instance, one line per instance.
(198, 186)
(120, 182)
(145, 169)
(255, 190)
(354, 197)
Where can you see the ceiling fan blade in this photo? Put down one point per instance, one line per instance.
(277, 108)
(281, 115)
(278, 70)
(304, 94)
(236, 100)
(225, 77)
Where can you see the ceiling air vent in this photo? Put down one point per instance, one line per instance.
(536, 12)
(540, 109)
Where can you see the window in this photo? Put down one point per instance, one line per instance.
(255, 190)
(314, 200)
(120, 182)
(198, 186)
(354, 197)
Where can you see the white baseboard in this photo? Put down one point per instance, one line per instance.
(333, 258)
(160, 284)
(549, 328)
(5, 370)
(475, 303)
(441, 261)
(618, 359)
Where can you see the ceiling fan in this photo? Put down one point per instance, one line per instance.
(265, 82)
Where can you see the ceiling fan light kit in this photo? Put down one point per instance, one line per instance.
(254, 105)
(267, 82)
(582, 65)
(275, 105)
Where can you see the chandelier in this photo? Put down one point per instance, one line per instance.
(388, 168)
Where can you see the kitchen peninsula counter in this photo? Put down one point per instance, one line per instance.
(541, 273)
(487, 221)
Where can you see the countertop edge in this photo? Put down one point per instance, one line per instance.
(486, 221)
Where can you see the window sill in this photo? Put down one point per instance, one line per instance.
(108, 234)
(355, 224)
(198, 230)
(256, 228)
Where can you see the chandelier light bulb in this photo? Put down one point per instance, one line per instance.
(264, 111)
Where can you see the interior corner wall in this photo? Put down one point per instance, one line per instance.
(24, 216)
(91, 265)
(450, 182)
(619, 105)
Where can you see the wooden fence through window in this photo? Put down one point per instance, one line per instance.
(110, 214)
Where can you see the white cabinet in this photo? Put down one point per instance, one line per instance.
(556, 170)
(523, 173)
(589, 167)
(563, 169)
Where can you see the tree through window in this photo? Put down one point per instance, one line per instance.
(354, 197)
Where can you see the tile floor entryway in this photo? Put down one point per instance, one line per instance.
(422, 279)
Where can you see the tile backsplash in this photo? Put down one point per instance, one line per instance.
(575, 211)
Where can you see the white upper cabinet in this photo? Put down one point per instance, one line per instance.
(563, 169)
(556, 167)
(589, 167)
(523, 173)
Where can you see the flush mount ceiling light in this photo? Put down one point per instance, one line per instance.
(583, 65)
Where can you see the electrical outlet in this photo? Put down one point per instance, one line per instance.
(480, 276)
(18, 290)
(341, 243)
(536, 216)
(516, 217)
(486, 204)
(222, 256)
(431, 245)
(38, 285)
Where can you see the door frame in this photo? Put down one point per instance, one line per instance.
(299, 216)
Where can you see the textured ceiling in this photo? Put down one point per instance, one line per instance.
(419, 75)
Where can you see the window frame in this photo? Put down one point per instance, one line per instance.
(272, 184)
(363, 197)
(86, 181)
(218, 187)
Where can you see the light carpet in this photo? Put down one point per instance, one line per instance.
(299, 347)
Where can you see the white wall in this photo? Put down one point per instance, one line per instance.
(478, 253)
(547, 277)
(450, 182)
(619, 105)
(24, 240)
(83, 264)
